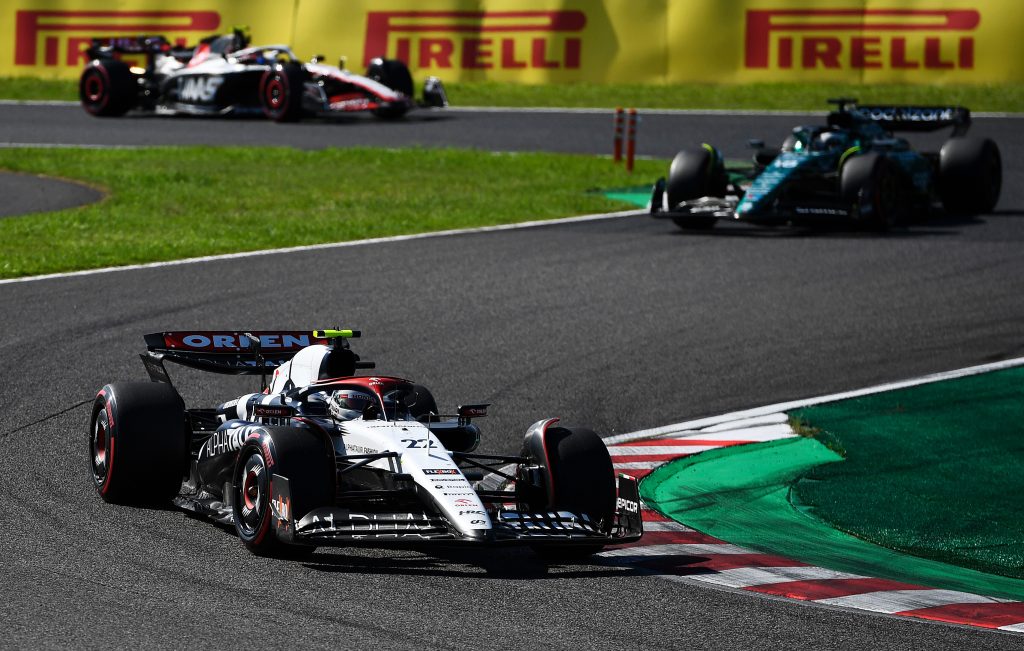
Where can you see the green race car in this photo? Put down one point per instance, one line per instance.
(850, 170)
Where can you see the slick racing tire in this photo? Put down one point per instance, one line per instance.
(695, 173)
(138, 442)
(107, 88)
(970, 176)
(292, 452)
(871, 184)
(578, 477)
(281, 89)
(395, 75)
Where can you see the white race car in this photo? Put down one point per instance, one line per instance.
(223, 75)
(322, 456)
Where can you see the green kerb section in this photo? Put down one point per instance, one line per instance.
(933, 470)
(927, 490)
(740, 495)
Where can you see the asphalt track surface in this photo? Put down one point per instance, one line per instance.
(621, 324)
(25, 193)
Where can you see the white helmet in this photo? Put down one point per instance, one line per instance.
(349, 404)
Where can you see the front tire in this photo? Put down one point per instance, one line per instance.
(138, 443)
(695, 173)
(292, 452)
(970, 175)
(577, 476)
(281, 90)
(395, 75)
(872, 186)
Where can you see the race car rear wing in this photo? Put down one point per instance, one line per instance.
(900, 118)
(229, 351)
(112, 48)
(918, 118)
(234, 352)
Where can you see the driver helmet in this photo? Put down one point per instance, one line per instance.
(349, 404)
(832, 140)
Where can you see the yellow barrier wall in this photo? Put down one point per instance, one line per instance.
(536, 41)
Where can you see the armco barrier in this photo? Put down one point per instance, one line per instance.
(538, 41)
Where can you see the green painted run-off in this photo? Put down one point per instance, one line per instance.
(932, 471)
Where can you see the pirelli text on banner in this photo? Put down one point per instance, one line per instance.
(538, 41)
(477, 40)
(60, 38)
(898, 39)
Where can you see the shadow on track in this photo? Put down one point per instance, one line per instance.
(503, 564)
(938, 224)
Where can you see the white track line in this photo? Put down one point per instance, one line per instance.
(759, 434)
(645, 450)
(677, 549)
(745, 577)
(651, 465)
(556, 109)
(690, 427)
(331, 245)
(770, 419)
(57, 145)
(667, 526)
(897, 601)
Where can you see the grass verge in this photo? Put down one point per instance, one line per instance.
(777, 96)
(172, 203)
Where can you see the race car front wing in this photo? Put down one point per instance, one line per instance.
(339, 526)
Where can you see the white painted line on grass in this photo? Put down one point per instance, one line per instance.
(332, 245)
(691, 427)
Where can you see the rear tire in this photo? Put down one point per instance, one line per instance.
(577, 476)
(298, 454)
(695, 173)
(281, 89)
(107, 88)
(138, 443)
(970, 175)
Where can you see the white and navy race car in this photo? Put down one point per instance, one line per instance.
(223, 75)
(322, 456)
